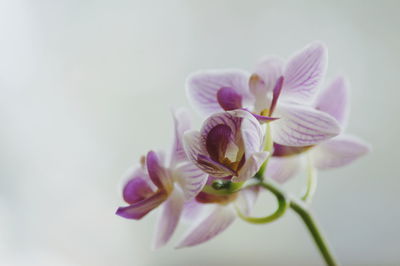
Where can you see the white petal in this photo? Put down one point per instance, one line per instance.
(302, 126)
(334, 100)
(210, 227)
(169, 218)
(339, 151)
(281, 169)
(251, 166)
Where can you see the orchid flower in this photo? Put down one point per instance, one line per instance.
(214, 213)
(336, 152)
(153, 184)
(294, 84)
(229, 144)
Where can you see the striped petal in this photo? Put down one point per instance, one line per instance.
(304, 72)
(302, 126)
(339, 151)
(252, 133)
(211, 226)
(202, 88)
(191, 179)
(182, 123)
(169, 218)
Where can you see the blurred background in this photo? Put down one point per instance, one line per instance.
(86, 88)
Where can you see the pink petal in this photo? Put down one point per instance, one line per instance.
(169, 218)
(138, 187)
(334, 100)
(202, 88)
(339, 151)
(232, 119)
(251, 166)
(141, 208)
(182, 123)
(281, 169)
(191, 179)
(157, 172)
(210, 227)
(304, 71)
(302, 126)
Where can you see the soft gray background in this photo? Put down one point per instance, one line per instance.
(86, 88)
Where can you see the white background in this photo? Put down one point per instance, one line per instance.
(86, 88)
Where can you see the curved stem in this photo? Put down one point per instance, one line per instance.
(311, 181)
(283, 204)
(312, 227)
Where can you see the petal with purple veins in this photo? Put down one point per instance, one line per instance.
(211, 226)
(168, 220)
(191, 179)
(304, 72)
(302, 126)
(182, 123)
(339, 151)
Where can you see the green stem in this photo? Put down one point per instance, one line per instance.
(312, 227)
(282, 206)
(311, 181)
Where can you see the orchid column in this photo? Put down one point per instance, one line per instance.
(261, 129)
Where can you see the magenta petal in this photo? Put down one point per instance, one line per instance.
(229, 99)
(276, 92)
(210, 227)
(169, 218)
(304, 71)
(141, 208)
(334, 100)
(339, 151)
(302, 126)
(137, 188)
(202, 88)
(182, 123)
(217, 141)
(157, 172)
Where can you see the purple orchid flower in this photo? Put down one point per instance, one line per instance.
(213, 214)
(229, 144)
(153, 184)
(293, 83)
(336, 152)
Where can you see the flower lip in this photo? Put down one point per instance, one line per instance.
(229, 99)
(217, 141)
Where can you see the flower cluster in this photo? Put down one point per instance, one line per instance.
(270, 124)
